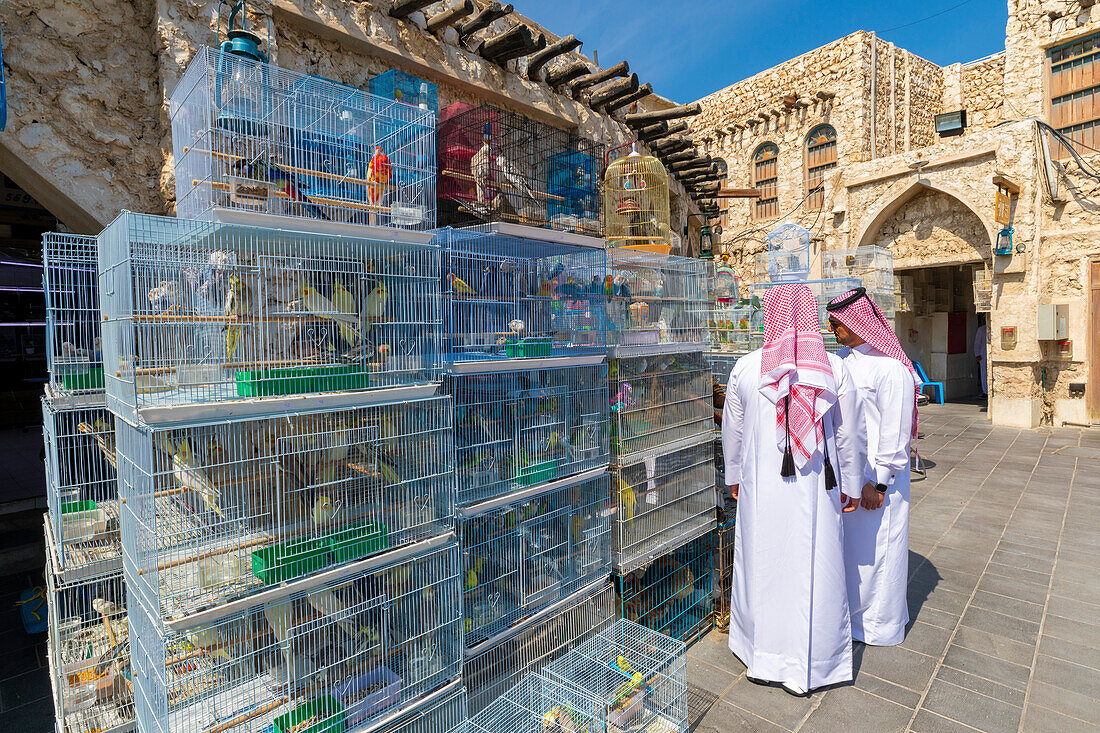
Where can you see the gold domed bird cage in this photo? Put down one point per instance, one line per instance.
(635, 199)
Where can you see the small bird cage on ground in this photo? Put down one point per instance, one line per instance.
(81, 489)
(442, 710)
(673, 594)
(635, 204)
(661, 502)
(499, 166)
(983, 290)
(89, 652)
(338, 655)
(499, 663)
(252, 137)
(524, 555)
(74, 351)
(639, 677)
(517, 429)
(198, 312)
(536, 704)
(788, 253)
(402, 86)
(658, 302)
(659, 400)
(509, 297)
(223, 509)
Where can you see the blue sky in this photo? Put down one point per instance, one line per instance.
(690, 48)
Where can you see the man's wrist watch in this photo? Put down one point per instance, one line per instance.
(881, 488)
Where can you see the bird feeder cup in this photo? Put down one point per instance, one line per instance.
(636, 204)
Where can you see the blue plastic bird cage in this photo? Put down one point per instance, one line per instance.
(571, 190)
(788, 253)
(401, 86)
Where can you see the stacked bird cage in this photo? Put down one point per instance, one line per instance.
(659, 401)
(253, 141)
(904, 293)
(788, 253)
(495, 665)
(73, 345)
(535, 704)
(496, 165)
(636, 205)
(873, 266)
(657, 303)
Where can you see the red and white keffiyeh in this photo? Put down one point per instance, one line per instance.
(865, 319)
(794, 369)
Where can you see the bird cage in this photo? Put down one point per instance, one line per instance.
(658, 302)
(73, 350)
(760, 266)
(788, 253)
(509, 297)
(442, 710)
(983, 290)
(732, 324)
(723, 571)
(81, 489)
(538, 704)
(523, 555)
(639, 677)
(516, 429)
(635, 204)
(345, 653)
(89, 653)
(499, 663)
(722, 363)
(661, 502)
(725, 284)
(404, 87)
(223, 509)
(657, 401)
(823, 291)
(198, 312)
(873, 266)
(500, 166)
(904, 293)
(673, 594)
(257, 139)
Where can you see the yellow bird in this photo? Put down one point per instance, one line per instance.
(193, 478)
(627, 500)
(458, 287)
(319, 305)
(326, 603)
(238, 303)
(376, 302)
(345, 302)
(209, 641)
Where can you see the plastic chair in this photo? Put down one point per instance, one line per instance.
(938, 386)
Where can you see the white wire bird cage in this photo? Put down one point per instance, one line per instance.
(733, 324)
(662, 501)
(219, 510)
(639, 677)
(516, 429)
(81, 489)
(635, 204)
(722, 363)
(500, 662)
(89, 653)
(339, 655)
(658, 303)
(255, 138)
(983, 290)
(725, 283)
(823, 291)
(673, 594)
(904, 293)
(659, 400)
(537, 704)
(197, 312)
(873, 266)
(788, 253)
(73, 349)
(525, 554)
(510, 297)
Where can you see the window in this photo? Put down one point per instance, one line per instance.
(820, 157)
(723, 171)
(1075, 92)
(765, 176)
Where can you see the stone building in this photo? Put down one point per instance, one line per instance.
(843, 141)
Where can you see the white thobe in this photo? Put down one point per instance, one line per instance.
(980, 352)
(876, 543)
(789, 619)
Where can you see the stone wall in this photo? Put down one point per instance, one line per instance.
(983, 93)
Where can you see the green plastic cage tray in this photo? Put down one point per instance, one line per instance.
(301, 380)
(90, 379)
(288, 560)
(329, 715)
(528, 348)
(357, 542)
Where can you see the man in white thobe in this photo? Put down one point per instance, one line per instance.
(789, 436)
(980, 355)
(876, 538)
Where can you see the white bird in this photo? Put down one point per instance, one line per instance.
(480, 165)
(517, 189)
(191, 477)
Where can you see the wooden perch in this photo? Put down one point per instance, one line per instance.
(652, 132)
(449, 17)
(619, 69)
(565, 74)
(613, 90)
(672, 113)
(643, 91)
(494, 11)
(557, 48)
(405, 8)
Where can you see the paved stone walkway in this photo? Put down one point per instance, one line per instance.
(1004, 593)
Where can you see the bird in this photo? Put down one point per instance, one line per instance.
(269, 170)
(517, 327)
(315, 303)
(480, 167)
(326, 603)
(209, 641)
(238, 302)
(471, 574)
(510, 176)
(627, 500)
(104, 437)
(608, 285)
(345, 303)
(165, 297)
(459, 288)
(376, 302)
(323, 509)
(379, 172)
(192, 477)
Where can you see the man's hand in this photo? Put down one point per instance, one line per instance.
(871, 499)
(849, 505)
(735, 489)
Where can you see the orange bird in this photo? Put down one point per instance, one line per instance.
(378, 175)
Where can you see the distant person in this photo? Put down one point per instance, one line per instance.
(980, 354)
(876, 539)
(790, 440)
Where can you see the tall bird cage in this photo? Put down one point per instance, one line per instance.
(788, 253)
(74, 350)
(635, 204)
(500, 166)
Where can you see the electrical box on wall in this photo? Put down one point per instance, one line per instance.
(1052, 322)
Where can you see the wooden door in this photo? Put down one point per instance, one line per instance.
(1094, 345)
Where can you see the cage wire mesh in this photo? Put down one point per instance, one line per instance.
(89, 653)
(74, 352)
(662, 501)
(519, 428)
(723, 571)
(983, 290)
(873, 266)
(499, 166)
(254, 137)
(674, 593)
(509, 297)
(722, 363)
(222, 509)
(639, 677)
(659, 400)
(404, 87)
(733, 324)
(489, 671)
(524, 555)
(904, 293)
(334, 657)
(725, 283)
(635, 204)
(197, 312)
(443, 710)
(537, 704)
(788, 253)
(81, 487)
(656, 301)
